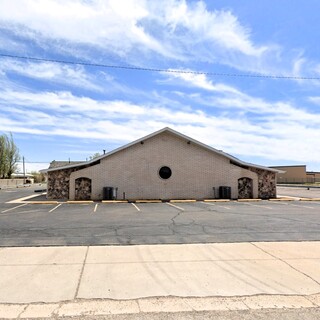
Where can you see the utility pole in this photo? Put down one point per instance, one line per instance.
(24, 171)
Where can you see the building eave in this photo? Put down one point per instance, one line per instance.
(166, 129)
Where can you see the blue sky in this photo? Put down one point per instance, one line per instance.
(59, 111)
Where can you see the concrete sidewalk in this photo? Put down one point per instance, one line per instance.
(128, 278)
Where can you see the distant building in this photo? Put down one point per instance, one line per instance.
(163, 165)
(27, 178)
(296, 174)
(17, 179)
(313, 176)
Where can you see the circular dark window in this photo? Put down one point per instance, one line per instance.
(165, 172)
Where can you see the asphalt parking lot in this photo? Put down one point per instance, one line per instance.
(25, 224)
(294, 191)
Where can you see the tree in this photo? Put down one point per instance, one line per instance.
(9, 156)
(3, 156)
(38, 176)
(12, 155)
(96, 155)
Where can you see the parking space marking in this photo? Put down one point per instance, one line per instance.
(256, 205)
(173, 205)
(21, 205)
(261, 206)
(95, 207)
(296, 205)
(224, 207)
(56, 207)
(280, 202)
(20, 200)
(135, 206)
(212, 204)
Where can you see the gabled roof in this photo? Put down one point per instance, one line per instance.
(289, 166)
(59, 164)
(176, 133)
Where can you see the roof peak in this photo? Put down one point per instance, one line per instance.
(176, 133)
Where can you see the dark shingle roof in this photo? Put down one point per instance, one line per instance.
(58, 164)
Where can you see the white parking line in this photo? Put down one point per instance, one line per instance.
(173, 205)
(296, 205)
(212, 204)
(261, 206)
(20, 200)
(256, 205)
(95, 207)
(225, 207)
(56, 207)
(135, 206)
(21, 205)
(308, 207)
(279, 202)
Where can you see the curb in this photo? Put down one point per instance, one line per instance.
(42, 202)
(282, 199)
(114, 201)
(182, 200)
(249, 200)
(148, 201)
(157, 201)
(79, 201)
(170, 304)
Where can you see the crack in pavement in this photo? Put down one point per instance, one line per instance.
(178, 226)
(81, 273)
(285, 262)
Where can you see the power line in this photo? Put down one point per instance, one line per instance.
(34, 161)
(88, 64)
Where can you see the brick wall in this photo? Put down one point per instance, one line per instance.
(9, 183)
(134, 171)
(195, 171)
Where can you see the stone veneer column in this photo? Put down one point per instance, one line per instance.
(266, 183)
(58, 184)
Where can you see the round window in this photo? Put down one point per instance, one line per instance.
(165, 172)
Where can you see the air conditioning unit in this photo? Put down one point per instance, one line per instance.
(224, 192)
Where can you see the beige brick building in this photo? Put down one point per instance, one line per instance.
(291, 174)
(296, 174)
(163, 165)
(313, 177)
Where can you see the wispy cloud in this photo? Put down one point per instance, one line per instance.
(193, 22)
(187, 78)
(75, 76)
(176, 30)
(118, 121)
(78, 102)
(231, 99)
(111, 25)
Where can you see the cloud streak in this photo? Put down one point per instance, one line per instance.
(119, 121)
(250, 118)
